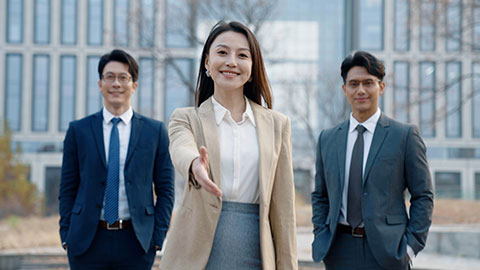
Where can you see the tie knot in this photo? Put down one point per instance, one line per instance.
(361, 129)
(116, 120)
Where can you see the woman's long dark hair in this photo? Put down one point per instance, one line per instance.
(255, 90)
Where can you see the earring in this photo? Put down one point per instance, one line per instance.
(250, 79)
(207, 73)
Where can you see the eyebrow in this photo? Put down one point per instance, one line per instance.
(225, 46)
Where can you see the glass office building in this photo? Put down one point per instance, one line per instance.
(49, 51)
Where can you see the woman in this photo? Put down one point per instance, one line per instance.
(238, 209)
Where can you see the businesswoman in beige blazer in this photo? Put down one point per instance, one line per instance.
(238, 209)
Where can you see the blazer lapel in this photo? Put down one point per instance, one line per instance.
(137, 124)
(266, 140)
(341, 146)
(381, 131)
(97, 130)
(212, 142)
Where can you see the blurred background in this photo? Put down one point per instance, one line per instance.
(49, 51)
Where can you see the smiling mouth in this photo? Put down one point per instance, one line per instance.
(229, 73)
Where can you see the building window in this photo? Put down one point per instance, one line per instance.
(477, 186)
(68, 73)
(453, 98)
(146, 87)
(476, 100)
(427, 25)
(427, 99)
(95, 22)
(453, 35)
(370, 24)
(402, 25)
(94, 96)
(178, 82)
(476, 25)
(401, 91)
(41, 75)
(52, 182)
(147, 23)
(121, 16)
(448, 185)
(42, 22)
(178, 14)
(15, 21)
(13, 91)
(69, 22)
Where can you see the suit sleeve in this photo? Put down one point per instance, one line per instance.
(183, 147)
(164, 181)
(282, 207)
(69, 182)
(320, 203)
(419, 184)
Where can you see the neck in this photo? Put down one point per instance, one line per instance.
(234, 102)
(117, 111)
(363, 116)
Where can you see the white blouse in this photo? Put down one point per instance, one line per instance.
(239, 154)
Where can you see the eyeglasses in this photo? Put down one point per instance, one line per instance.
(122, 78)
(367, 84)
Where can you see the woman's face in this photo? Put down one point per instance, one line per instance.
(229, 61)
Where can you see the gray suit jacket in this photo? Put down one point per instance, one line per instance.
(396, 162)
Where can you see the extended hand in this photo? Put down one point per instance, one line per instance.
(200, 172)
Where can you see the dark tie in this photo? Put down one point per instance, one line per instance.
(354, 208)
(113, 174)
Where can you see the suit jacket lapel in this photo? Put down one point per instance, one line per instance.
(381, 131)
(210, 135)
(341, 146)
(137, 124)
(97, 130)
(266, 140)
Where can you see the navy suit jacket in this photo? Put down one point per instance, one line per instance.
(84, 174)
(396, 162)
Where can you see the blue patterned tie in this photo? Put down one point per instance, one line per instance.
(111, 192)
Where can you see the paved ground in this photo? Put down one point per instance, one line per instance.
(304, 240)
(422, 261)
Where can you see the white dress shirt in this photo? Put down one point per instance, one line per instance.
(124, 129)
(370, 125)
(239, 154)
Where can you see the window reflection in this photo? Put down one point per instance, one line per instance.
(427, 99)
(68, 72)
(13, 91)
(15, 21)
(146, 87)
(401, 91)
(453, 98)
(41, 74)
(121, 15)
(69, 21)
(402, 25)
(95, 22)
(94, 97)
(42, 21)
(370, 24)
(177, 93)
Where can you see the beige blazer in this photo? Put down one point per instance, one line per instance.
(190, 238)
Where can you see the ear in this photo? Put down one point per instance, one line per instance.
(382, 87)
(100, 84)
(344, 89)
(206, 62)
(134, 87)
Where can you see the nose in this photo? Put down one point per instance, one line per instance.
(231, 61)
(116, 82)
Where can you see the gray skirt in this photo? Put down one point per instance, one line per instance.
(237, 238)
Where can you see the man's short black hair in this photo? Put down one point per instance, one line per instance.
(119, 56)
(363, 59)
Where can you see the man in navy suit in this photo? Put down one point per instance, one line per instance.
(111, 161)
(363, 167)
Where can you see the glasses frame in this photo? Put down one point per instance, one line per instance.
(116, 78)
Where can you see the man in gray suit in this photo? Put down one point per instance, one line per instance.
(363, 167)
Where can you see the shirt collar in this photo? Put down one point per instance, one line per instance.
(221, 111)
(126, 116)
(369, 124)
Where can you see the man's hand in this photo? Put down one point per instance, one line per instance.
(64, 245)
(200, 172)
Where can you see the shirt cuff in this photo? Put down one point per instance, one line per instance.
(411, 255)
